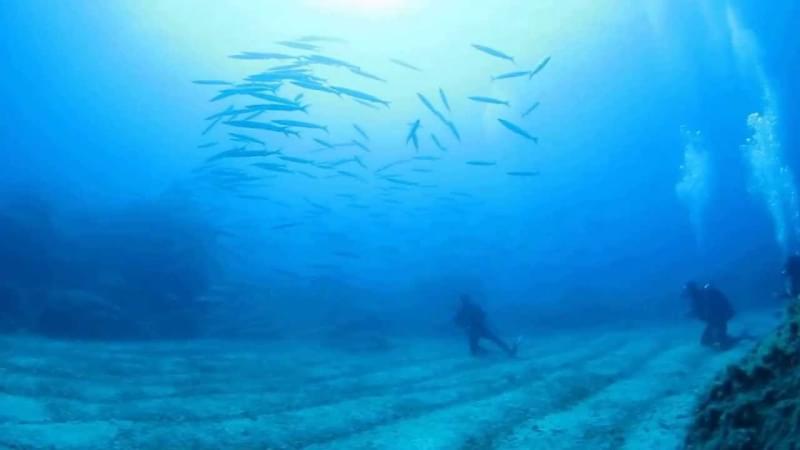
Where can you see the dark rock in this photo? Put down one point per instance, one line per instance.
(10, 309)
(83, 315)
(754, 404)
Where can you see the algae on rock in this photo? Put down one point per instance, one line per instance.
(755, 403)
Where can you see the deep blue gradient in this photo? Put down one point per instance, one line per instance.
(101, 114)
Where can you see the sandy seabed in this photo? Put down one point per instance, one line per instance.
(628, 388)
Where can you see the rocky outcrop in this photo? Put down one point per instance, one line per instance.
(755, 404)
(83, 315)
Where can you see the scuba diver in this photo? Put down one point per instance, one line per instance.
(791, 271)
(711, 306)
(472, 319)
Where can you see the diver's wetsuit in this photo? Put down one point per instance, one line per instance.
(711, 306)
(472, 318)
(791, 270)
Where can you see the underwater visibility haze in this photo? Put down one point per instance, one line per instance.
(250, 224)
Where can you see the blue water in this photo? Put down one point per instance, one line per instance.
(641, 180)
(663, 148)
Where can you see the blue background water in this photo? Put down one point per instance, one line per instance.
(102, 125)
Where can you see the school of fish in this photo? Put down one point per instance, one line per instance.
(273, 104)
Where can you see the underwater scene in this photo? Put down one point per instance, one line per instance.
(400, 224)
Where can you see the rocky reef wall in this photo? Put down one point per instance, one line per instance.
(755, 403)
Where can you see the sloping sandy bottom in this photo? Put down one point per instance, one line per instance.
(617, 389)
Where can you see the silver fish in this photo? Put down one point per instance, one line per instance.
(437, 143)
(245, 138)
(277, 76)
(493, 52)
(295, 159)
(323, 143)
(230, 112)
(405, 64)
(358, 161)
(277, 107)
(299, 45)
(314, 86)
(508, 75)
(256, 125)
(490, 100)
(272, 87)
(361, 132)
(273, 98)
(337, 163)
(299, 124)
(431, 108)
(273, 167)
(444, 99)
(212, 82)
(368, 105)
(412, 133)
(359, 95)
(364, 74)
(360, 145)
(328, 61)
(392, 164)
(350, 175)
(454, 130)
(217, 120)
(239, 153)
(539, 67)
(530, 110)
(259, 55)
(225, 93)
(516, 129)
(401, 181)
(293, 66)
